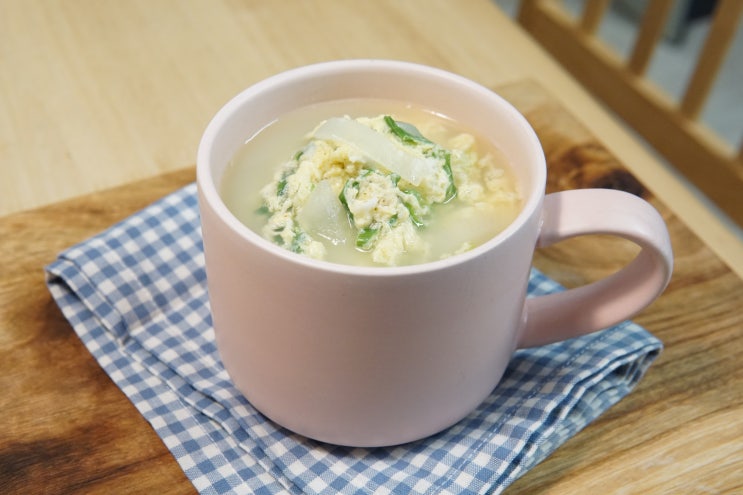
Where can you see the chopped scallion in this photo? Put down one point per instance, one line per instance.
(407, 133)
(451, 190)
(366, 238)
(281, 187)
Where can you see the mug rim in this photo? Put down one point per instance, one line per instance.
(208, 189)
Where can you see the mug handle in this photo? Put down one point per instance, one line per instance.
(608, 301)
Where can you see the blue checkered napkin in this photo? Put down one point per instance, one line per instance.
(136, 296)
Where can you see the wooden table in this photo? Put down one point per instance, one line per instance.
(99, 94)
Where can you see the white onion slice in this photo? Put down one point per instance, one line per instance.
(323, 215)
(377, 148)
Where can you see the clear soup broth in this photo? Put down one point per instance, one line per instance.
(371, 182)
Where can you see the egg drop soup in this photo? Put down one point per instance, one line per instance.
(371, 182)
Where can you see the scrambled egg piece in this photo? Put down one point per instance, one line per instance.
(380, 180)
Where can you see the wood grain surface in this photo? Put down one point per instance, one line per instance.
(681, 430)
(96, 94)
(66, 428)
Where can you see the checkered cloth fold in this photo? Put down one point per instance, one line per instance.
(136, 296)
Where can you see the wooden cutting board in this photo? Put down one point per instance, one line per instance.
(65, 426)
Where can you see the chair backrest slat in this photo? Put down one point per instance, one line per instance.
(593, 12)
(651, 29)
(710, 60)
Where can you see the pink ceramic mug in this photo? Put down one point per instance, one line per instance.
(368, 356)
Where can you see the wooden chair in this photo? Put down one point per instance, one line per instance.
(671, 127)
